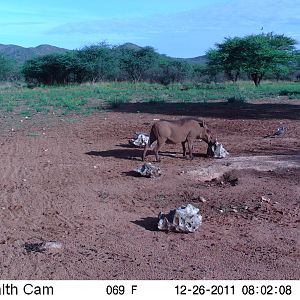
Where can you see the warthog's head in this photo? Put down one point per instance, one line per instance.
(206, 135)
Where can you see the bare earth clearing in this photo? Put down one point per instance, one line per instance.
(71, 181)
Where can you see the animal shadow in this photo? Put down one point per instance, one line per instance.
(131, 154)
(149, 223)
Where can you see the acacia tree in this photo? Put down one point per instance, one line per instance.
(256, 55)
(8, 69)
(99, 62)
(49, 69)
(227, 57)
(135, 63)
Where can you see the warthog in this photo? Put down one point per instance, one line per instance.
(180, 131)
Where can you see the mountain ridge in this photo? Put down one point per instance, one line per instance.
(21, 54)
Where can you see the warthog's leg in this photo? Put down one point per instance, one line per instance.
(183, 149)
(190, 147)
(160, 143)
(146, 148)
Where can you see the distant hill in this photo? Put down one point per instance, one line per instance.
(21, 54)
(130, 46)
(199, 60)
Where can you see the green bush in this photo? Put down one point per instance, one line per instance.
(238, 98)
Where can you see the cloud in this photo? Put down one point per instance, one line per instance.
(229, 15)
(196, 30)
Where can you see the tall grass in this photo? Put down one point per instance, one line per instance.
(87, 98)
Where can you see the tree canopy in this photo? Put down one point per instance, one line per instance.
(104, 63)
(256, 55)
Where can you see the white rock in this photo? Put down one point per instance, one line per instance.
(149, 170)
(43, 246)
(217, 150)
(51, 245)
(183, 219)
(140, 139)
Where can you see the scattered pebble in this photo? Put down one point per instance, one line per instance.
(202, 199)
(265, 199)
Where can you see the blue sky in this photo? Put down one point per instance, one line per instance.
(174, 27)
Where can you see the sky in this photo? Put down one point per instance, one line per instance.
(178, 28)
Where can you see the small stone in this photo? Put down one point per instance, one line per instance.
(265, 199)
(42, 246)
(202, 199)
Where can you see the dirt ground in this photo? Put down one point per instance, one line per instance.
(70, 180)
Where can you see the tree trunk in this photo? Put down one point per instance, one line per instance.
(237, 74)
(256, 79)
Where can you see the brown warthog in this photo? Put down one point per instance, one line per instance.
(179, 131)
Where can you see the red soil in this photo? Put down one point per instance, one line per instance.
(72, 182)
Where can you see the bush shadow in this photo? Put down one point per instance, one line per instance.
(218, 110)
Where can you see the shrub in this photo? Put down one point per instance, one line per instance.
(238, 98)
